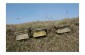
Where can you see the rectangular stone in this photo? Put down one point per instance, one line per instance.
(63, 30)
(39, 33)
(21, 37)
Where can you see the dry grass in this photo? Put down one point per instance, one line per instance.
(67, 42)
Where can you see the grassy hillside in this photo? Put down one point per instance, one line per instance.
(67, 42)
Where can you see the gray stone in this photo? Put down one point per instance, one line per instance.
(61, 26)
(21, 37)
(63, 30)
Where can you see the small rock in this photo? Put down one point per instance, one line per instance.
(16, 33)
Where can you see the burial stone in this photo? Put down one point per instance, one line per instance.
(39, 33)
(63, 30)
(21, 37)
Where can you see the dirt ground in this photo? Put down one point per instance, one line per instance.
(53, 42)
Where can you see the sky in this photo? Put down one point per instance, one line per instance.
(17, 13)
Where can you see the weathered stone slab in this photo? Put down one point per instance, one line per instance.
(39, 33)
(61, 26)
(63, 30)
(21, 37)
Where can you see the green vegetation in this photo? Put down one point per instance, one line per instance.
(67, 42)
